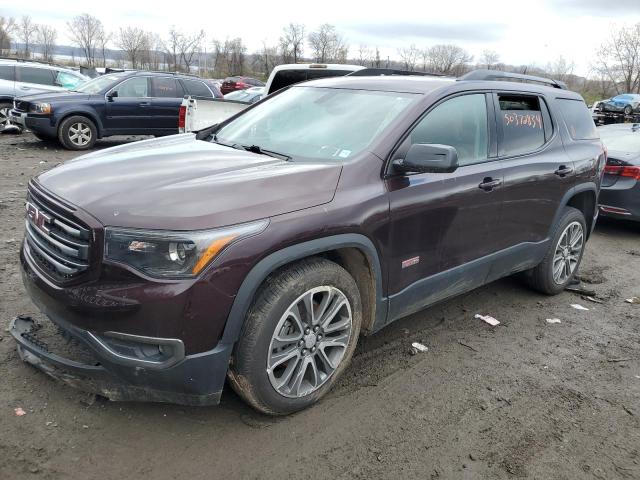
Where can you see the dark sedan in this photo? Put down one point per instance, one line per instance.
(620, 193)
(123, 103)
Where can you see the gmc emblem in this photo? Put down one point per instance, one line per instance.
(41, 220)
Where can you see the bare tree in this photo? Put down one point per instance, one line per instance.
(27, 32)
(85, 32)
(489, 58)
(376, 62)
(561, 69)
(448, 59)
(7, 28)
(188, 47)
(132, 41)
(292, 42)
(47, 40)
(104, 38)
(328, 45)
(619, 59)
(267, 57)
(364, 54)
(409, 56)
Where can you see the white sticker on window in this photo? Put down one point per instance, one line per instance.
(344, 153)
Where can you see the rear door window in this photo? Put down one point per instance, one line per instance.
(196, 89)
(523, 127)
(7, 72)
(578, 119)
(40, 76)
(166, 87)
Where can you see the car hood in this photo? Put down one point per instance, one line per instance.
(60, 96)
(180, 183)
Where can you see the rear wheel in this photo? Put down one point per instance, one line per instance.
(77, 133)
(563, 258)
(628, 110)
(298, 337)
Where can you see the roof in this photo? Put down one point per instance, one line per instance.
(36, 64)
(391, 83)
(423, 85)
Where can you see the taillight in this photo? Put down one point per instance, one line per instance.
(620, 171)
(182, 116)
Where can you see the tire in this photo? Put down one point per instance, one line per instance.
(256, 371)
(4, 118)
(77, 133)
(543, 278)
(628, 110)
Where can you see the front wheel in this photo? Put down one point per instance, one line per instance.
(628, 110)
(298, 337)
(563, 258)
(4, 119)
(77, 133)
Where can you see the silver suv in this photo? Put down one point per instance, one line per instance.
(19, 78)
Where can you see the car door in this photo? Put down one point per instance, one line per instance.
(31, 80)
(442, 225)
(129, 107)
(167, 95)
(538, 172)
(7, 80)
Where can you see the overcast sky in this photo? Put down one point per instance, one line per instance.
(522, 32)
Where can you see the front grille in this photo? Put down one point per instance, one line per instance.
(59, 245)
(21, 106)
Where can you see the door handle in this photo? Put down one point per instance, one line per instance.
(145, 104)
(563, 171)
(489, 184)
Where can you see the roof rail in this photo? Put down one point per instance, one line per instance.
(506, 76)
(366, 72)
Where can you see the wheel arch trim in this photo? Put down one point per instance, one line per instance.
(275, 260)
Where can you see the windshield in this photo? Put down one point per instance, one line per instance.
(625, 140)
(98, 84)
(317, 123)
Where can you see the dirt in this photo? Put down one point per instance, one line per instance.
(525, 399)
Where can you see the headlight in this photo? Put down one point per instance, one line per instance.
(40, 108)
(168, 254)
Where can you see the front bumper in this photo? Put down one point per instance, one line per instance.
(17, 118)
(197, 380)
(41, 125)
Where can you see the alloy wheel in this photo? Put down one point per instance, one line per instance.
(80, 134)
(4, 117)
(567, 253)
(309, 341)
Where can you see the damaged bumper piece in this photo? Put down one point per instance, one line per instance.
(102, 364)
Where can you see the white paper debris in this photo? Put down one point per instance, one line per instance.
(419, 347)
(633, 300)
(487, 318)
(579, 307)
(19, 411)
(553, 320)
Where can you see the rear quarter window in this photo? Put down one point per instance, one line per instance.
(578, 119)
(196, 88)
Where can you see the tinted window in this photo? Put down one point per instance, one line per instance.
(166, 87)
(6, 72)
(41, 76)
(578, 119)
(133, 88)
(68, 80)
(196, 89)
(522, 125)
(254, 82)
(284, 78)
(461, 123)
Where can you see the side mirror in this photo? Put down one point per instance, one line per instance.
(112, 95)
(428, 158)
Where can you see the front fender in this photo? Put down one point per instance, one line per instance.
(269, 264)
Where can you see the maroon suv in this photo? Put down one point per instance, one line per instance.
(262, 248)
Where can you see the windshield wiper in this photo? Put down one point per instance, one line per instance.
(261, 151)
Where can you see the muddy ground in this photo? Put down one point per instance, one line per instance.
(525, 399)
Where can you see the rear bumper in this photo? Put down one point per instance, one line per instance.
(622, 203)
